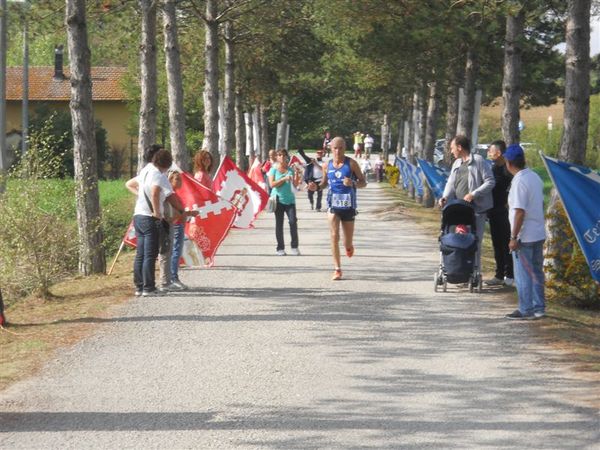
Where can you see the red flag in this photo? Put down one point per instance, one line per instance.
(236, 187)
(256, 174)
(130, 238)
(295, 160)
(214, 220)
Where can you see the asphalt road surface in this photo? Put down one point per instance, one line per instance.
(267, 352)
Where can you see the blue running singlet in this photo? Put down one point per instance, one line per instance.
(339, 195)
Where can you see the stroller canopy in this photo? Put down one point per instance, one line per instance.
(457, 212)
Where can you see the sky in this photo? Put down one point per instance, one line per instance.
(595, 37)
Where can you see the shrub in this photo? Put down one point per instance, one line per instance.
(572, 282)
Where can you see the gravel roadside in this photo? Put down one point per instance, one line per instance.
(267, 352)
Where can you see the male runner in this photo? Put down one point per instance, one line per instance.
(343, 175)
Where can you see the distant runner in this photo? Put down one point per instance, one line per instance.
(343, 177)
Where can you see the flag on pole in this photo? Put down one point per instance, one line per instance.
(215, 216)
(415, 178)
(401, 164)
(256, 175)
(233, 185)
(579, 191)
(436, 178)
(130, 238)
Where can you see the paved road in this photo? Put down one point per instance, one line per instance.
(267, 352)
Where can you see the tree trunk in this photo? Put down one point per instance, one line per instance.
(249, 137)
(91, 252)
(451, 121)
(211, 82)
(385, 133)
(240, 135)
(413, 130)
(264, 132)
(400, 136)
(422, 123)
(174, 87)
(511, 83)
(229, 119)
(282, 131)
(148, 82)
(576, 118)
(431, 123)
(465, 117)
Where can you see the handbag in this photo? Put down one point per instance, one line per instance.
(272, 203)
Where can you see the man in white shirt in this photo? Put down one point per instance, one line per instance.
(526, 216)
(368, 145)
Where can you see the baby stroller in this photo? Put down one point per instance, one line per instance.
(458, 247)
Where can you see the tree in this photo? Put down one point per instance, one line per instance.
(576, 119)
(91, 252)
(148, 79)
(511, 82)
(174, 86)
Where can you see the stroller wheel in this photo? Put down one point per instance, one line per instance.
(471, 283)
(445, 284)
(435, 282)
(479, 284)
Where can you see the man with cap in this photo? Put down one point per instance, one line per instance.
(526, 215)
(498, 217)
(471, 180)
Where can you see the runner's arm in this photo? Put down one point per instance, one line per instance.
(360, 182)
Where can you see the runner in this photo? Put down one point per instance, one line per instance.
(343, 177)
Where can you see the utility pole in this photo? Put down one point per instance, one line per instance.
(25, 102)
(3, 149)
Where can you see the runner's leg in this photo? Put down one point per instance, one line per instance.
(334, 227)
(348, 229)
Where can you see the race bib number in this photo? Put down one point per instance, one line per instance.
(341, 201)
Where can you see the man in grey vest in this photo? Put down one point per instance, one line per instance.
(471, 179)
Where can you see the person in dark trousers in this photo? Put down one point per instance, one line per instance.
(498, 217)
(313, 172)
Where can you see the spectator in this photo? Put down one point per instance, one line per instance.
(368, 145)
(526, 215)
(498, 217)
(379, 169)
(281, 179)
(313, 172)
(470, 180)
(151, 187)
(203, 163)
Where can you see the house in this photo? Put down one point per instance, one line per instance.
(51, 85)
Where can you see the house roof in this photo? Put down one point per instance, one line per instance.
(106, 84)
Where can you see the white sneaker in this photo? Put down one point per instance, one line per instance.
(494, 282)
(280, 252)
(295, 252)
(510, 282)
(177, 286)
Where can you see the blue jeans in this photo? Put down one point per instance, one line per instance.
(528, 263)
(290, 210)
(178, 234)
(146, 232)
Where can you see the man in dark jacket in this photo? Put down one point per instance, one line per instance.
(314, 172)
(498, 217)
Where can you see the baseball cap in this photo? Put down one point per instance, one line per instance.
(513, 152)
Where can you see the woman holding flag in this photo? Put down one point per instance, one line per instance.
(281, 179)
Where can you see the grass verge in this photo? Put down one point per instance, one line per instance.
(38, 328)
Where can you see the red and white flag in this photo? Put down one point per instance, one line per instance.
(256, 175)
(233, 185)
(130, 238)
(216, 216)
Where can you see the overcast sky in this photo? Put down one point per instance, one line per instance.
(595, 38)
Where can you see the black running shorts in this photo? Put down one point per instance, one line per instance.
(345, 215)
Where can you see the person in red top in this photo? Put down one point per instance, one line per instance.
(203, 163)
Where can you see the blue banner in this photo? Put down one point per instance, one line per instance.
(579, 190)
(415, 178)
(401, 164)
(435, 176)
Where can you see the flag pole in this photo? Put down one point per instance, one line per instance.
(116, 257)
